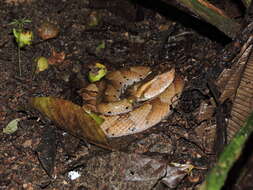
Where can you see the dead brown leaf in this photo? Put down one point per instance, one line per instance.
(237, 86)
(72, 118)
(56, 58)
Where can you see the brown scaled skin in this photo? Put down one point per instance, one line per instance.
(116, 83)
(155, 86)
(121, 118)
(114, 108)
(122, 79)
(147, 115)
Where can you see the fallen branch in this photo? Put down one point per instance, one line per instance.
(212, 15)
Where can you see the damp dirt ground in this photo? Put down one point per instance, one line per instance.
(118, 34)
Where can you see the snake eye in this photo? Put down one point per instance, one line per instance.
(109, 112)
(127, 108)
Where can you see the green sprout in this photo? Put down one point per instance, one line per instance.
(42, 64)
(97, 72)
(22, 37)
(20, 22)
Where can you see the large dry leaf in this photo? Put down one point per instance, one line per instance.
(72, 118)
(238, 87)
(243, 102)
(229, 79)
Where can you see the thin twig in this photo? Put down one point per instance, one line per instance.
(19, 62)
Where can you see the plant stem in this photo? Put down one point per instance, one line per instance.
(19, 62)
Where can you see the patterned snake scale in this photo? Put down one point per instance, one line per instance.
(149, 99)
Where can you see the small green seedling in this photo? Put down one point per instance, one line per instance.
(97, 72)
(100, 47)
(42, 64)
(23, 38)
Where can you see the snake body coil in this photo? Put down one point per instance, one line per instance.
(146, 104)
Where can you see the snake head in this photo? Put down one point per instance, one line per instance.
(155, 86)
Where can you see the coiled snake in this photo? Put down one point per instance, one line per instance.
(148, 100)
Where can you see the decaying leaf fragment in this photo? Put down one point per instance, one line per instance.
(204, 136)
(237, 85)
(56, 57)
(205, 111)
(71, 117)
(175, 173)
(46, 150)
(119, 170)
(11, 127)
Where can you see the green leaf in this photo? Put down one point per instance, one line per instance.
(20, 22)
(23, 38)
(98, 72)
(16, 34)
(42, 64)
(11, 127)
(100, 47)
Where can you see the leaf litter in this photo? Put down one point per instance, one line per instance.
(81, 45)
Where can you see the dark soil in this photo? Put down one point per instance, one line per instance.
(133, 35)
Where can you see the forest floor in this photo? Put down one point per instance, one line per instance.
(117, 34)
